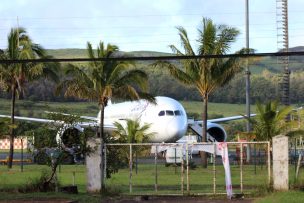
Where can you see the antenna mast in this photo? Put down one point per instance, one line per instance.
(283, 45)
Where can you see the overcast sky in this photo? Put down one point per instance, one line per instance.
(136, 25)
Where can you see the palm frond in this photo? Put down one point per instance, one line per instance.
(185, 42)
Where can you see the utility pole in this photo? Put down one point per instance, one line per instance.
(248, 127)
(247, 72)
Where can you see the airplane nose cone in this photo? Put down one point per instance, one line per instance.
(175, 131)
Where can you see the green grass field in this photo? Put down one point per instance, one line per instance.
(169, 178)
(169, 182)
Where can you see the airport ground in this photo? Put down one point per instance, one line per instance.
(278, 197)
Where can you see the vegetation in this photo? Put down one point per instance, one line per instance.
(143, 182)
(132, 132)
(104, 80)
(270, 120)
(14, 76)
(265, 80)
(205, 74)
(282, 197)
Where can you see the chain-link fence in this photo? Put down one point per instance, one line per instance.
(296, 161)
(177, 168)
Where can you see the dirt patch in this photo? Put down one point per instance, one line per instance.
(134, 199)
(175, 199)
(38, 201)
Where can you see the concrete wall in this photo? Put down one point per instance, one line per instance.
(280, 162)
(93, 167)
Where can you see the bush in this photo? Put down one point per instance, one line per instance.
(40, 184)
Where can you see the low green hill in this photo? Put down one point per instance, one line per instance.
(265, 63)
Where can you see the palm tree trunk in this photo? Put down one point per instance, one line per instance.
(204, 130)
(12, 131)
(101, 131)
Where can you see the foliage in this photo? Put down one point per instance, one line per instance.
(205, 74)
(132, 132)
(105, 79)
(14, 76)
(39, 184)
(102, 81)
(54, 153)
(270, 120)
(4, 126)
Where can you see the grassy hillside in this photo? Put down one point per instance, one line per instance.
(37, 109)
(269, 63)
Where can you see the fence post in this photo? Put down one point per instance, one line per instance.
(187, 162)
(130, 165)
(156, 175)
(241, 167)
(21, 164)
(73, 178)
(269, 163)
(182, 173)
(105, 165)
(214, 169)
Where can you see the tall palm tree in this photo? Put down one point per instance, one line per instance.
(103, 80)
(206, 74)
(14, 76)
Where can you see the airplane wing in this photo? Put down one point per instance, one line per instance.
(90, 124)
(65, 114)
(231, 118)
(220, 120)
(38, 120)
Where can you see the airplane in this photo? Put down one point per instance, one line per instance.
(167, 118)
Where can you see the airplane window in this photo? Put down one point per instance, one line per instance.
(161, 113)
(169, 113)
(177, 113)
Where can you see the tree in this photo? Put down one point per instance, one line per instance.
(270, 120)
(103, 80)
(14, 76)
(206, 74)
(132, 132)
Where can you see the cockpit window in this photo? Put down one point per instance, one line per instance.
(177, 113)
(161, 113)
(169, 113)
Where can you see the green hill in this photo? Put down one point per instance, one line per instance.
(265, 63)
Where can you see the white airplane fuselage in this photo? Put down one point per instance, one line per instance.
(167, 118)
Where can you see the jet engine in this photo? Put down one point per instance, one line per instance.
(69, 136)
(215, 132)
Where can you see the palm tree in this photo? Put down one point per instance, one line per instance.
(132, 132)
(14, 76)
(206, 74)
(270, 120)
(103, 80)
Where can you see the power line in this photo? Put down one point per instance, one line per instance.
(149, 58)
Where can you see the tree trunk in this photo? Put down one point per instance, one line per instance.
(204, 130)
(12, 131)
(102, 136)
